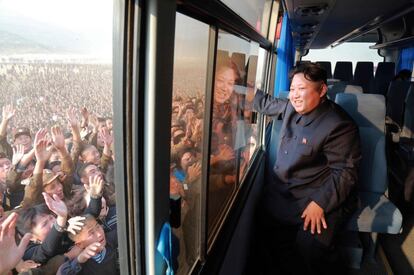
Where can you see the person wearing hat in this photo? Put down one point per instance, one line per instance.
(45, 180)
(23, 137)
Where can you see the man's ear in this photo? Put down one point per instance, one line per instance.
(324, 90)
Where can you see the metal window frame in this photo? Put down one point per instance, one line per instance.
(156, 70)
(125, 26)
(216, 13)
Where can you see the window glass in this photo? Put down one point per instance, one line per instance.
(239, 71)
(56, 75)
(190, 68)
(351, 51)
(255, 12)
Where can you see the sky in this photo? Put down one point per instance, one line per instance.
(75, 15)
(88, 22)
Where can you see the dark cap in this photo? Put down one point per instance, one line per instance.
(22, 131)
(48, 177)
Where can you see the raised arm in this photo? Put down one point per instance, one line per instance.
(7, 114)
(268, 105)
(34, 189)
(51, 245)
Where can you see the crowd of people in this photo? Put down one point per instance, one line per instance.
(233, 142)
(57, 192)
(58, 209)
(46, 91)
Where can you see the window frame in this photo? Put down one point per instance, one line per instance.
(147, 84)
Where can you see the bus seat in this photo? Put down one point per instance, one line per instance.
(327, 66)
(353, 89)
(408, 124)
(397, 92)
(274, 136)
(343, 70)
(336, 88)
(283, 94)
(251, 68)
(383, 76)
(239, 59)
(273, 143)
(367, 110)
(406, 141)
(376, 213)
(364, 75)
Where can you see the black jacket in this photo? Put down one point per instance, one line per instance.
(317, 159)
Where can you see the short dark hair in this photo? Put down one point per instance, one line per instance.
(312, 72)
(82, 168)
(88, 218)
(27, 217)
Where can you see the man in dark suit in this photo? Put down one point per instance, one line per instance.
(313, 186)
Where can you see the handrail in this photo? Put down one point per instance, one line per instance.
(373, 24)
(399, 42)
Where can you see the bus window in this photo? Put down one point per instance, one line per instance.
(56, 75)
(239, 69)
(256, 12)
(350, 51)
(189, 82)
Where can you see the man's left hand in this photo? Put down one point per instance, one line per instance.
(314, 217)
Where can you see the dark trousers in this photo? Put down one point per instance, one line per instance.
(288, 249)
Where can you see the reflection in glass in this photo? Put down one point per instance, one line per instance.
(238, 72)
(190, 64)
(255, 12)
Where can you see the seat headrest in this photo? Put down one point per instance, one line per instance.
(353, 89)
(368, 110)
(284, 94)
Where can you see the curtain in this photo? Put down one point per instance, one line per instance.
(285, 57)
(406, 59)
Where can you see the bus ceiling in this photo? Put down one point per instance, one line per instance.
(333, 22)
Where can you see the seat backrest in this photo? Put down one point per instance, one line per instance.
(283, 94)
(336, 88)
(239, 59)
(397, 92)
(364, 75)
(373, 167)
(274, 136)
(353, 89)
(368, 111)
(327, 66)
(383, 75)
(408, 125)
(343, 70)
(274, 142)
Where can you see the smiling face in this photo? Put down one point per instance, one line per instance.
(24, 140)
(224, 84)
(306, 95)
